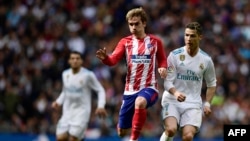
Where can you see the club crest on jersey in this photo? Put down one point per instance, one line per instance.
(201, 66)
(149, 46)
(170, 69)
(182, 57)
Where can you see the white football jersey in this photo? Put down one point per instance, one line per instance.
(186, 74)
(76, 96)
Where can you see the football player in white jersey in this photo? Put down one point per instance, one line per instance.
(75, 100)
(182, 104)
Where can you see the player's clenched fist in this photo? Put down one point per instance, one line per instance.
(55, 105)
(179, 96)
(162, 72)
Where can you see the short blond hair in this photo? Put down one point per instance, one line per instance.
(137, 12)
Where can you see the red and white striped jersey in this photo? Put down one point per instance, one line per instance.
(142, 58)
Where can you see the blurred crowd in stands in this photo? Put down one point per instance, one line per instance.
(37, 35)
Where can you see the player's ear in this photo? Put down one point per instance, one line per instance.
(144, 24)
(82, 61)
(69, 60)
(200, 37)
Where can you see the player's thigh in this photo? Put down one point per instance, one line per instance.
(150, 95)
(62, 133)
(171, 123)
(189, 130)
(77, 131)
(193, 117)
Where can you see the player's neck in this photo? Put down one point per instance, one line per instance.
(192, 52)
(75, 70)
(140, 36)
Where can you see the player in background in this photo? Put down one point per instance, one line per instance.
(182, 102)
(75, 99)
(143, 53)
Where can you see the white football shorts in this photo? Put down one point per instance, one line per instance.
(184, 113)
(73, 130)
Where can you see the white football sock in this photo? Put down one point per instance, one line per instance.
(164, 137)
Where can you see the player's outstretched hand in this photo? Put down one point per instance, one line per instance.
(101, 53)
(179, 96)
(162, 72)
(101, 112)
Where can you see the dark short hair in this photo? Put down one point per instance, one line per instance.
(195, 26)
(76, 52)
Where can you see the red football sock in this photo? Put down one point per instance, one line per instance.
(139, 119)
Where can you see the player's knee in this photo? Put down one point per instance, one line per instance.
(171, 131)
(121, 135)
(63, 137)
(188, 136)
(140, 102)
(72, 138)
(122, 132)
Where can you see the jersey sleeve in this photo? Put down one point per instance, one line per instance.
(171, 69)
(60, 99)
(160, 55)
(117, 54)
(210, 76)
(98, 88)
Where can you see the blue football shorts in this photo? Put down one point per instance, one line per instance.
(128, 106)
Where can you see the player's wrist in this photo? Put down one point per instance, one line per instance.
(207, 104)
(176, 94)
(172, 91)
(105, 57)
